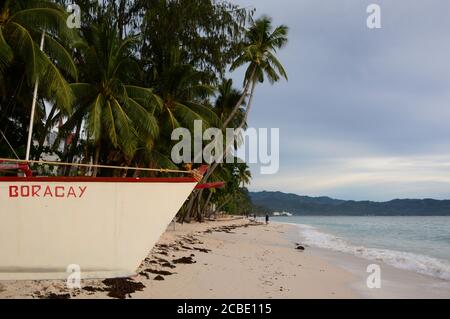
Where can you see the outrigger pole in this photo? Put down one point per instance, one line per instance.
(33, 105)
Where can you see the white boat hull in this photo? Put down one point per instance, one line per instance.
(104, 226)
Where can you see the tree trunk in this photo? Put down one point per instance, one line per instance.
(46, 129)
(125, 170)
(121, 18)
(249, 105)
(205, 207)
(188, 209)
(241, 125)
(240, 101)
(223, 204)
(96, 158)
(252, 81)
(199, 210)
(73, 146)
(137, 172)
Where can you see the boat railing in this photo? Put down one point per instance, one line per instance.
(24, 168)
(23, 165)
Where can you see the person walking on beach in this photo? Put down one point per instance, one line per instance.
(267, 218)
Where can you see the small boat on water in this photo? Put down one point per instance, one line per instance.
(104, 225)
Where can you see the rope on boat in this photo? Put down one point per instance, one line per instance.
(196, 174)
(12, 149)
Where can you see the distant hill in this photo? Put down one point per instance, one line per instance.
(305, 205)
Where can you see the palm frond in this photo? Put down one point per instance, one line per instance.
(146, 96)
(144, 121)
(94, 123)
(187, 115)
(274, 61)
(51, 20)
(6, 53)
(54, 83)
(21, 41)
(207, 113)
(127, 135)
(61, 56)
(110, 123)
(83, 92)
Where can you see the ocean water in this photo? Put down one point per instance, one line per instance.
(421, 244)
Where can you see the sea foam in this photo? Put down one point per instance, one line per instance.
(403, 260)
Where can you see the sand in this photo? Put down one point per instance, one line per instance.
(237, 258)
(251, 261)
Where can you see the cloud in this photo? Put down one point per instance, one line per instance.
(366, 113)
(352, 178)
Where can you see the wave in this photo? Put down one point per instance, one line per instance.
(404, 260)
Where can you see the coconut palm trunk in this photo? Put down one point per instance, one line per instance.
(47, 127)
(259, 52)
(96, 159)
(239, 103)
(208, 199)
(73, 147)
(226, 201)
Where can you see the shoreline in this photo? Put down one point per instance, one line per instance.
(237, 258)
(395, 282)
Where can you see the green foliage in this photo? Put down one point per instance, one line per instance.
(113, 91)
(117, 112)
(207, 32)
(258, 51)
(22, 24)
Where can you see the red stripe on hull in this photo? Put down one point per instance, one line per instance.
(210, 185)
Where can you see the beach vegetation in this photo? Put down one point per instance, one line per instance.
(112, 87)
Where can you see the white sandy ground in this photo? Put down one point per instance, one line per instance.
(250, 262)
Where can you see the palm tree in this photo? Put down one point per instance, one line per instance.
(237, 174)
(184, 94)
(226, 100)
(185, 98)
(243, 174)
(223, 173)
(234, 195)
(24, 24)
(117, 113)
(258, 53)
(21, 26)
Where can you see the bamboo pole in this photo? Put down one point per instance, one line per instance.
(33, 106)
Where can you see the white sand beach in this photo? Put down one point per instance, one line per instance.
(239, 259)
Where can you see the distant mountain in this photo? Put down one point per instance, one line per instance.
(305, 205)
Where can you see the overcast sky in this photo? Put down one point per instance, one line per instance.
(366, 113)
